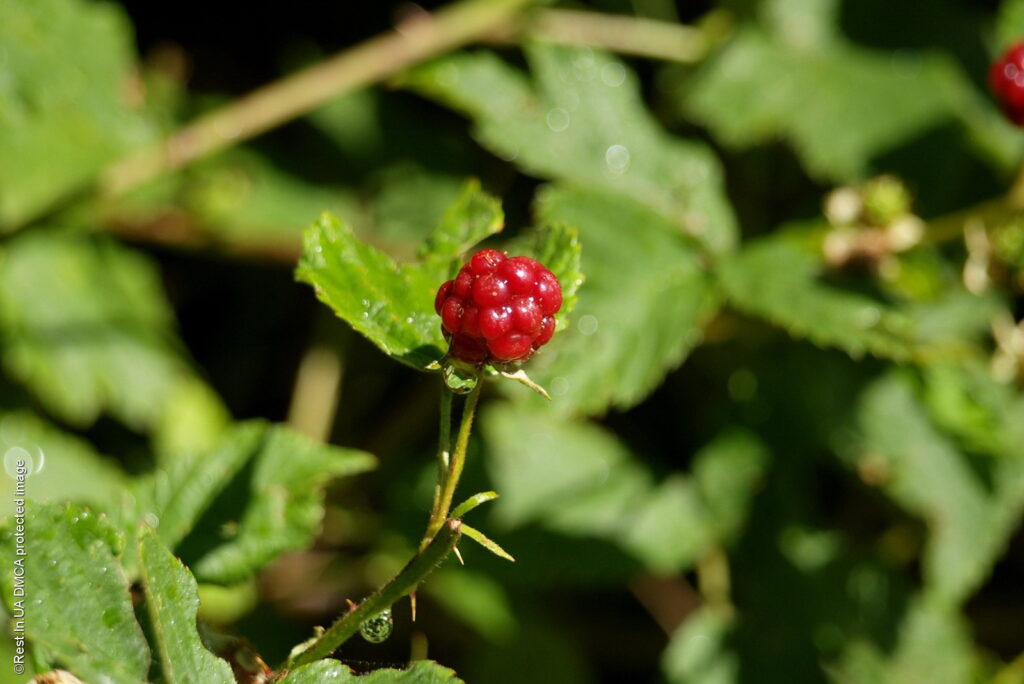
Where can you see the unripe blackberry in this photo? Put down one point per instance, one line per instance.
(498, 308)
(1006, 78)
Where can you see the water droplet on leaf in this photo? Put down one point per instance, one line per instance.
(558, 119)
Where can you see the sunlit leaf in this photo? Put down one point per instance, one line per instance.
(969, 517)
(76, 602)
(286, 502)
(393, 304)
(64, 112)
(87, 329)
(641, 308)
(583, 121)
(172, 602)
(758, 88)
(575, 478)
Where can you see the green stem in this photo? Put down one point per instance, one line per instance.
(404, 583)
(455, 465)
(444, 447)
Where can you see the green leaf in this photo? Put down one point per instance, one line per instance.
(472, 218)
(583, 121)
(319, 671)
(86, 328)
(261, 486)
(933, 645)
(392, 305)
(969, 518)
(76, 596)
(486, 542)
(420, 672)
(286, 502)
(172, 602)
(62, 104)
(577, 479)
(472, 502)
(755, 89)
(781, 278)
(640, 311)
(62, 467)
(698, 652)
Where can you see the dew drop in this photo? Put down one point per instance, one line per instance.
(587, 325)
(18, 458)
(558, 119)
(559, 386)
(617, 159)
(378, 628)
(613, 74)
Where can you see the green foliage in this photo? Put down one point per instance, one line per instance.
(698, 651)
(393, 304)
(782, 278)
(582, 121)
(87, 329)
(642, 309)
(61, 118)
(283, 476)
(286, 502)
(800, 463)
(578, 479)
(921, 468)
(77, 605)
(421, 672)
(837, 104)
(172, 602)
(64, 467)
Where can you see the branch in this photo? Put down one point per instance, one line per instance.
(622, 33)
(422, 37)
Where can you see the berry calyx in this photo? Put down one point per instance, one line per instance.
(1006, 79)
(498, 309)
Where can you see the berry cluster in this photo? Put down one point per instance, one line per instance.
(498, 308)
(1006, 78)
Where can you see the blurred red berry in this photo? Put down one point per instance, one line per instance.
(498, 309)
(1006, 78)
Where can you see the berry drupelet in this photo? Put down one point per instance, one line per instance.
(498, 309)
(1006, 78)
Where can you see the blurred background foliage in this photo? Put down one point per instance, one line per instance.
(787, 435)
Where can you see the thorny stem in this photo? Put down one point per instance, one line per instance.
(404, 583)
(450, 480)
(444, 447)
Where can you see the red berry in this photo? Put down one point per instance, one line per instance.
(510, 347)
(442, 294)
(498, 309)
(526, 314)
(486, 261)
(549, 292)
(471, 321)
(495, 322)
(463, 283)
(451, 314)
(520, 274)
(1006, 78)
